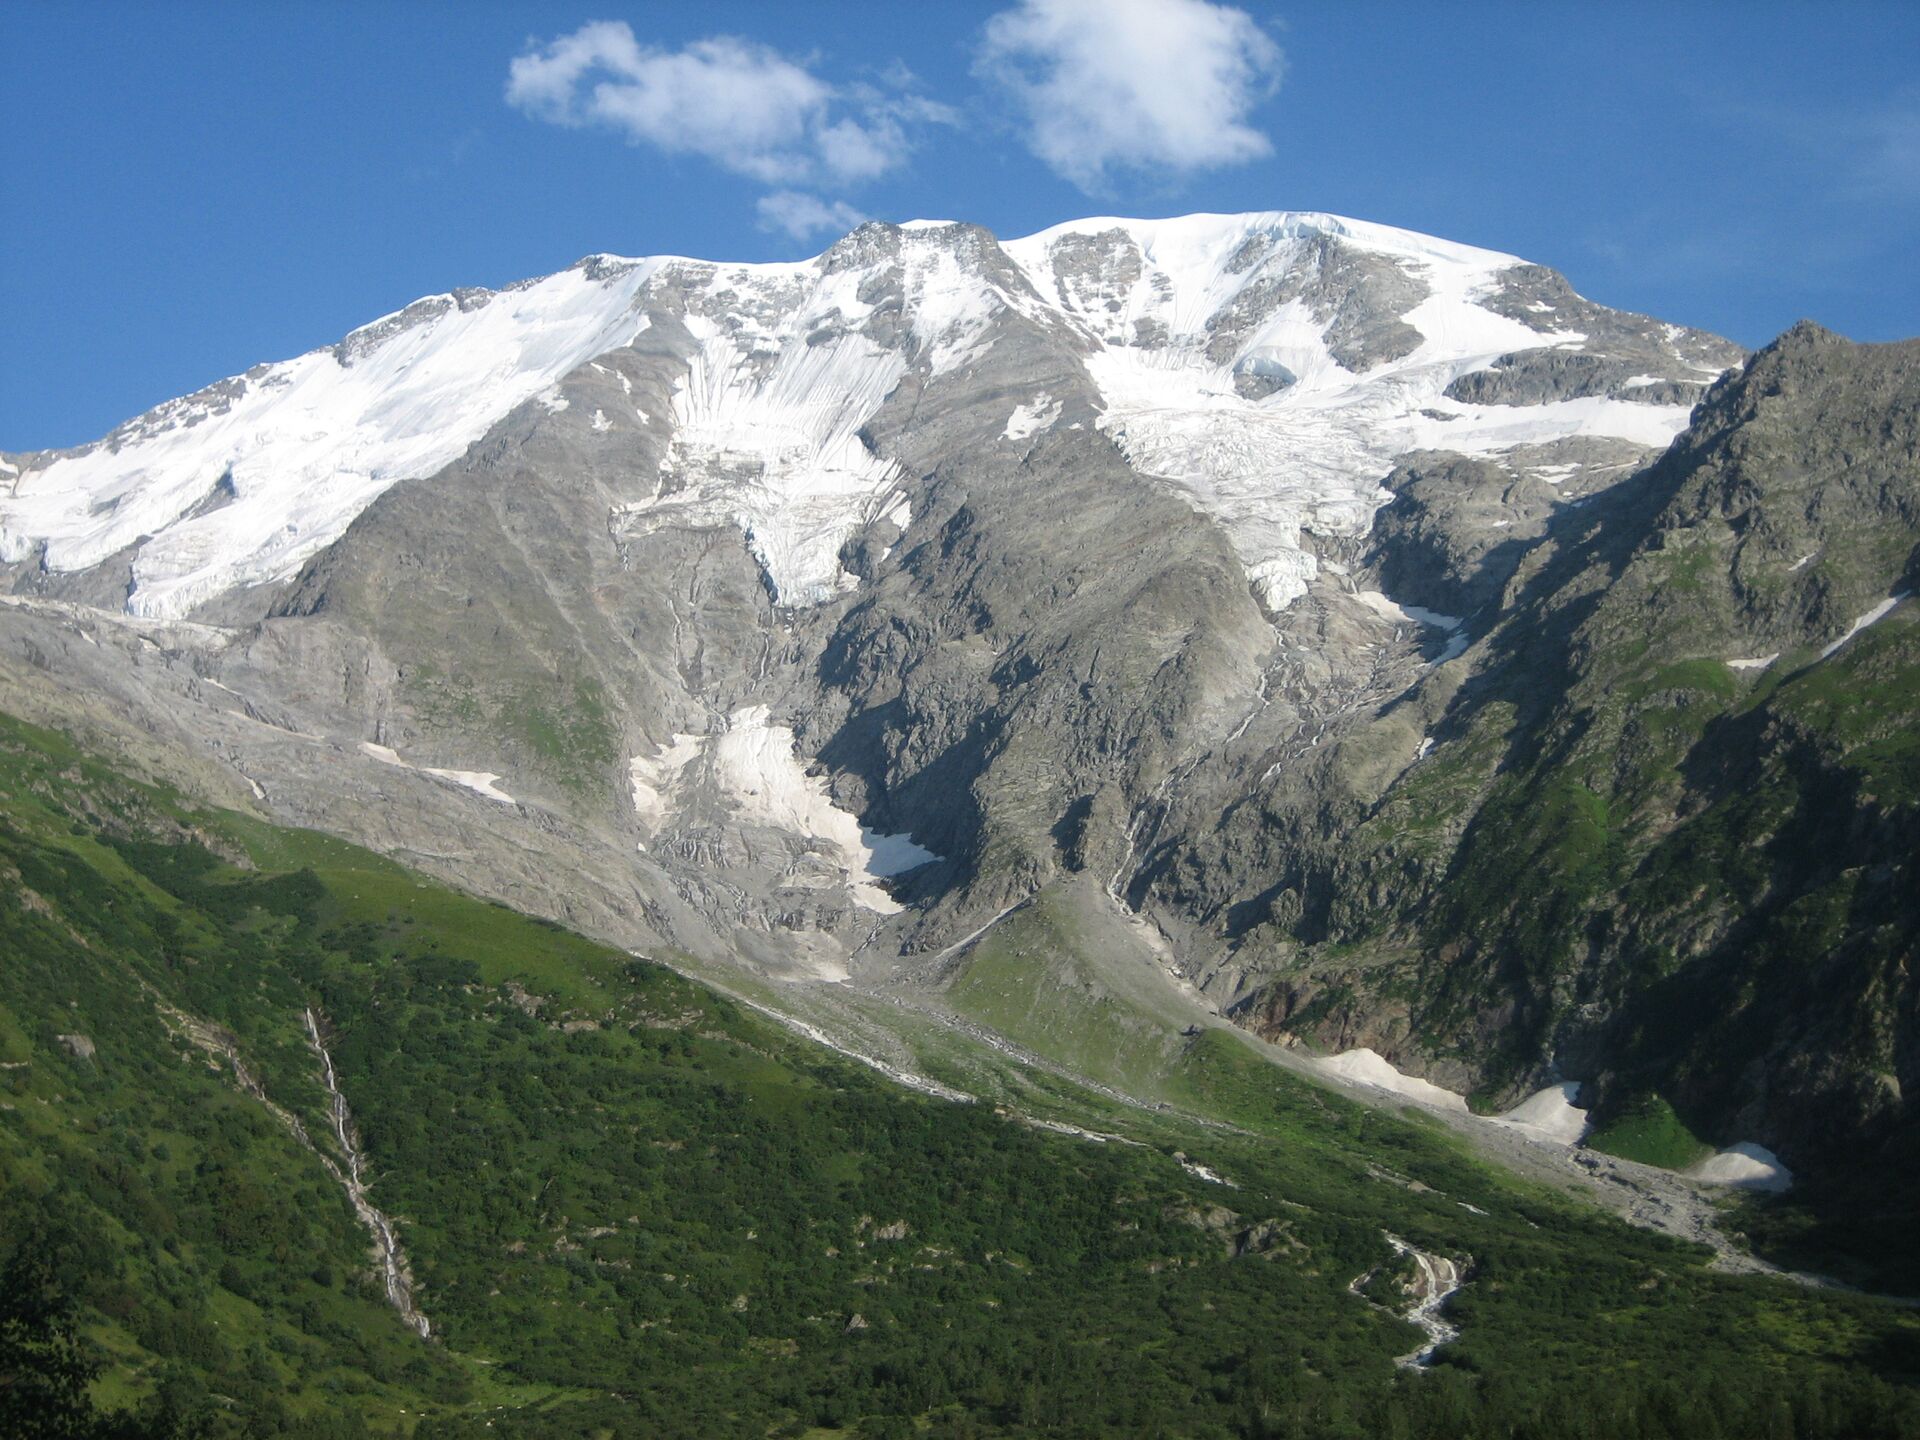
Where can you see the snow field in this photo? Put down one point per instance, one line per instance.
(242, 488)
(752, 768)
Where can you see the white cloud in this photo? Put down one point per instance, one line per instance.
(860, 152)
(739, 104)
(801, 215)
(1133, 84)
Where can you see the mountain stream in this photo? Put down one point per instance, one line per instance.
(1435, 1278)
(393, 1262)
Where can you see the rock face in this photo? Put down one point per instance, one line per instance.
(806, 617)
(1663, 837)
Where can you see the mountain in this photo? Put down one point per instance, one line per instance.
(1663, 838)
(1079, 637)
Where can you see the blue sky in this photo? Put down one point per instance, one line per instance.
(187, 189)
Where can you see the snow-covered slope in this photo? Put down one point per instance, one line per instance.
(776, 450)
(1198, 316)
(243, 481)
(1268, 367)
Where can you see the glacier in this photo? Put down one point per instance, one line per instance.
(242, 482)
(1308, 458)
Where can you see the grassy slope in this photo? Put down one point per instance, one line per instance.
(1796, 855)
(1056, 978)
(684, 1206)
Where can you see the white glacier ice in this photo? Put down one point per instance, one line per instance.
(298, 449)
(1308, 458)
(779, 454)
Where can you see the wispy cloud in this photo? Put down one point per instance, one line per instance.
(1886, 159)
(1864, 151)
(802, 216)
(741, 105)
(1148, 85)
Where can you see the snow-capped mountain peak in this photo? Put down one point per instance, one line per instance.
(1269, 367)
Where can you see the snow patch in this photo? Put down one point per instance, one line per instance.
(890, 855)
(1550, 1114)
(1367, 1067)
(481, 782)
(652, 778)
(1029, 419)
(1745, 1166)
(1872, 617)
(1755, 662)
(1406, 614)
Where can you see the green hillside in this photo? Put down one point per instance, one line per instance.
(633, 1208)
